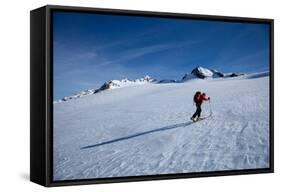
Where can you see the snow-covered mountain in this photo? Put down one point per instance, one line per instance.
(196, 73)
(203, 73)
(146, 129)
(113, 84)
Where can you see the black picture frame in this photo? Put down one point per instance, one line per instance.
(41, 95)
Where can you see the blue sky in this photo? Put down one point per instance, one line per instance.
(90, 49)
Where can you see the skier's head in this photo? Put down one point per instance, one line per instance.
(198, 93)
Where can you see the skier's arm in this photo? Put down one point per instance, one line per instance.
(206, 98)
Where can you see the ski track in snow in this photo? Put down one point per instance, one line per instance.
(145, 130)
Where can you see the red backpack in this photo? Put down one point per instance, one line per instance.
(196, 97)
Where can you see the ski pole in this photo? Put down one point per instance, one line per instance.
(211, 112)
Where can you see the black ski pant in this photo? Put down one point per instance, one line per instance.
(198, 110)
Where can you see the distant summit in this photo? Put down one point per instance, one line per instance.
(203, 73)
(112, 84)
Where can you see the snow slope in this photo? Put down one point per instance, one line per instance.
(145, 129)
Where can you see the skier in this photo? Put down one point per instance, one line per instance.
(198, 100)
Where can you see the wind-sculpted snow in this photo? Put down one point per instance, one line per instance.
(146, 130)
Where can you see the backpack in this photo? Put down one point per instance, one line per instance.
(196, 97)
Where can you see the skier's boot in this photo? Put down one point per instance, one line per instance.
(193, 119)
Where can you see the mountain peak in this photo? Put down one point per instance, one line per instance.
(112, 84)
(146, 78)
(202, 72)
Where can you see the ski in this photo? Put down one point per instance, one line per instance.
(200, 119)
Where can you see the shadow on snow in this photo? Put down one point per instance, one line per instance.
(139, 134)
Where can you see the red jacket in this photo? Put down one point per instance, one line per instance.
(200, 98)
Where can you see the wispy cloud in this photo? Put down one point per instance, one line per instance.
(131, 54)
(80, 53)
